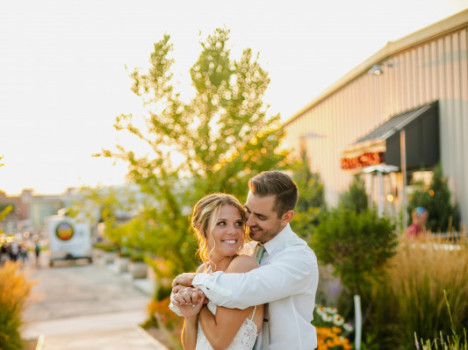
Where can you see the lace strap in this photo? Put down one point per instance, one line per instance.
(253, 313)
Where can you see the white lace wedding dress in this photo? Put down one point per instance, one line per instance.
(244, 339)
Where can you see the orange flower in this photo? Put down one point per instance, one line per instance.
(328, 339)
(336, 330)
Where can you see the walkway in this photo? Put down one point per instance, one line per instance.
(86, 307)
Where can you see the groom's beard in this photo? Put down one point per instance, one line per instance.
(261, 235)
(251, 235)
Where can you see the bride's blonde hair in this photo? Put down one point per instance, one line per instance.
(204, 217)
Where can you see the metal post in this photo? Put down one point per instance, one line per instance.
(403, 174)
(357, 322)
(381, 194)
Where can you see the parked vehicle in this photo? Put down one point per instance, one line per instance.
(68, 239)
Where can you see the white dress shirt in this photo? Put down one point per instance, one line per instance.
(287, 279)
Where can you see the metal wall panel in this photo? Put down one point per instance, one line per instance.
(435, 70)
(462, 198)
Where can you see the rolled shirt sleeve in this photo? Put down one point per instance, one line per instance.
(289, 274)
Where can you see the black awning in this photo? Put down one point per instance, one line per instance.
(421, 127)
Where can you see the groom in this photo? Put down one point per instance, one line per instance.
(288, 274)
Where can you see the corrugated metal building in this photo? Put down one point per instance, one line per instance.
(417, 85)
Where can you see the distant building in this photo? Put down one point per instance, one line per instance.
(413, 95)
(29, 210)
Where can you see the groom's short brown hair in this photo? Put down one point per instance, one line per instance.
(280, 185)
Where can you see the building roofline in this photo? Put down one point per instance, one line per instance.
(431, 32)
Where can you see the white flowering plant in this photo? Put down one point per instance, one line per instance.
(328, 316)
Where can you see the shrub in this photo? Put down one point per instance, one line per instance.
(411, 297)
(108, 247)
(356, 197)
(443, 215)
(356, 245)
(15, 289)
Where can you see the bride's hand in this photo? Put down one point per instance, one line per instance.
(189, 301)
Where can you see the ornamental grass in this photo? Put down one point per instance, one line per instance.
(410, 298)
(15, 288)
(453, 341)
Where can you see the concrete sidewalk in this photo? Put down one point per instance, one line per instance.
(80, 324)
(114, 331)
(81, 307)
(111, 339)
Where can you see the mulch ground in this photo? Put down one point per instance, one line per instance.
(30, 344)
(159, 335)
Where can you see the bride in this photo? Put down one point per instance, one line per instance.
(219, 223)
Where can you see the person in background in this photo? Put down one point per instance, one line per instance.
(23, 252)
(14, 251)
(3, 253)
(37, 251)
(418, 226)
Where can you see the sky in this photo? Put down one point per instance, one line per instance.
(63, 75)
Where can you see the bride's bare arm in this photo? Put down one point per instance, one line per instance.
(189, 332)
(220, 329)
(191, 315)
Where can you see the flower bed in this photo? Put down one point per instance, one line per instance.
(332, 331)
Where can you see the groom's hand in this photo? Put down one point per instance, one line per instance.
(182, 296)
(184, 279)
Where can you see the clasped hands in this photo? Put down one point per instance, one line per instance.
(189, 300)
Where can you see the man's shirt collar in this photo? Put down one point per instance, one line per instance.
(279, 240)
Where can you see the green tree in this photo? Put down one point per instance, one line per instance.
(110, 206)
(311, 204)
(214, 142)
(443, 215)
(4, 211)
(355, 198)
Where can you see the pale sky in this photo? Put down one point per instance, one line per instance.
(63, 79)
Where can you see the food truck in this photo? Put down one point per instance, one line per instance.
(68, 239)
